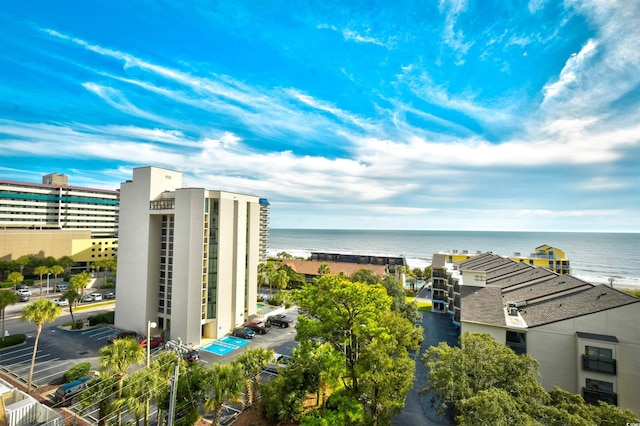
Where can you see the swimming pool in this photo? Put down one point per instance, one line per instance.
(224, 346)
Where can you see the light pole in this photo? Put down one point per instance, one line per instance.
(150, 325)
(48, 275)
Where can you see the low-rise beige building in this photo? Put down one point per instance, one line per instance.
(586, 337)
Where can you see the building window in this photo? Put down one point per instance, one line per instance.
(597, 390)
(598, 359)
(517, 341)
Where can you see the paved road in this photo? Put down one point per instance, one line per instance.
(417, 410)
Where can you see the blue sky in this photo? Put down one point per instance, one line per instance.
(451, 114)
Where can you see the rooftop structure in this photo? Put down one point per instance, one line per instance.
(545, 256)
(310, 268)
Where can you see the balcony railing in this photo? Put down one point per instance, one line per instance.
(601, 365)
(440, 285)
(440, 297)
(456, 288)
(592, 396)
(439, 275)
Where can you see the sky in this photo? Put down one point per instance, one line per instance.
(434, 115)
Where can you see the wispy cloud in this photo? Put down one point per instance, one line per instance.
(452, 37)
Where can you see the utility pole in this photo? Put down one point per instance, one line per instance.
(179, 348)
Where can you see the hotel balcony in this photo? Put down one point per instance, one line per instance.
(439, 285)
(601, 365)
(439, 275)
(456, 288)
(440, 297)
(592, 396)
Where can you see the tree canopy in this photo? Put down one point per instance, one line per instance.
(485, 382)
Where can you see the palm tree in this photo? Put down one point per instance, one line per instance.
(16, 278)
(99, 393)
(56, 270)
(253, 362)
(41, 270)
(39, 312)
(265, 273)
(224, 383)
(72, 295)
(7, 298)
(135, 394)
(80, 282)
(116, 358)
(324, 269)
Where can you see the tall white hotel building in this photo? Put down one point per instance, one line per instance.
(187, 257)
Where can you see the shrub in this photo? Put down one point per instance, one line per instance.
(12, 340)
(77, 372)
(106, 318)
(77, 325)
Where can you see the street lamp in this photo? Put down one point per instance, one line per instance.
(48, 275)
(150, 325)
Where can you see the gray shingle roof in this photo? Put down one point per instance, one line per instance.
(557, 283)
(482, 304)
(438, 260)
(595, 299)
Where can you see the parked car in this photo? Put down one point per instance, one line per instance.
(23, 297)
(279, 321)
(257, 326)
(96, 296)
(244, 333)
(109, 296)
(279, 361)
(62, 287)
(154, 341)
(61, 302)
(86, 298)
(191, 356)
(23, 292)
(122, 335)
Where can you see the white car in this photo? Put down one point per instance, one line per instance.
(23, 292)
(61, 302)
(96, 297)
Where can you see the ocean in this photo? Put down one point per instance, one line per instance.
(595, 257)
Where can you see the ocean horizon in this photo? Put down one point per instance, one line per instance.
(595, 257)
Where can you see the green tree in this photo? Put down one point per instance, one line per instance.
(100, 393)
(135, 394)
(7, 297)
(363, 275)
(23, 261)
(39, 312)
(324, 269)
(73, 297)
(80, 282)
(41, 270)
(253, 361)
(480, 363)
(265, 271)
(284, 255)
(116, 358)
(16, 278)
(224, 383)
(280, 279)
(342, 314)
(56, 270)
(323, 363)
(190, 394)
(399, 304)
(66, 262)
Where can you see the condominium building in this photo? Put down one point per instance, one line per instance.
(545, 256)
(55, 219)
(188, 257)
(586, 337)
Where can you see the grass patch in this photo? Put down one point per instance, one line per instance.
(424, 308)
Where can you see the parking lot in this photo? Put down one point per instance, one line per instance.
(58, 351)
